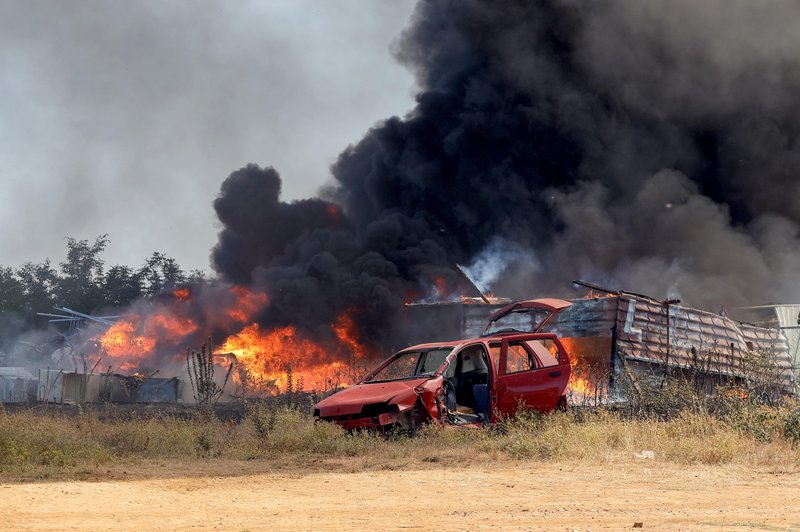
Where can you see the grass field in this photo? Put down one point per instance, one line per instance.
(37, 444)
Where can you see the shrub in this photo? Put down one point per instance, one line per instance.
(791, 426)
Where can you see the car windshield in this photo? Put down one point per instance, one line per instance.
(412, 364)
(523, 320)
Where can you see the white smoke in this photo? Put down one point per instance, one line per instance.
(498, 258)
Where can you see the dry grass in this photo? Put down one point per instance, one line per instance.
(34, 445)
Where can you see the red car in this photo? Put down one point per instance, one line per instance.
(466, 382)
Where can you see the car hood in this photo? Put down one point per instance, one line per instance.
(352, 399)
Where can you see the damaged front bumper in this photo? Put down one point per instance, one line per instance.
(405, 406)
(374, 416)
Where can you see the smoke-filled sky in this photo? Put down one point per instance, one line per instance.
(653, 146)
(124, 117)
(648, 146)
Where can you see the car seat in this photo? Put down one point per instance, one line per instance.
(480, 394)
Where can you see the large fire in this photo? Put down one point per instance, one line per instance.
(132, 339)
(274, 359)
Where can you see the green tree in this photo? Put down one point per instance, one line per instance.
(196, 276)
(160, 273)
(12, 292)
(80, 283)
(39, 282)
(121, 286)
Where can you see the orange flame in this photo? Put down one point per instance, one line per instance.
(134, 338)
(441, 286)
(165, 326)
(597, 294)
(581, 386)
(265, 358)
(269, 356)
(247, 304)
(181, 294)
(345, 330)
(590, 359)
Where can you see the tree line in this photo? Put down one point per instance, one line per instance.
(81, 282)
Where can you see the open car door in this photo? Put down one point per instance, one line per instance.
(524, 316)
(533, 372)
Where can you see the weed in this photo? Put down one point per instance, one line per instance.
(731, 430)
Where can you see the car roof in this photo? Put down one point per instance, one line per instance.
(455, 343)
(434, 345)
(458, 343)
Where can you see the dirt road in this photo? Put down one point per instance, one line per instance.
(522, 495)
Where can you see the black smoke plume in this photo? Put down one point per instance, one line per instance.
(651, 146)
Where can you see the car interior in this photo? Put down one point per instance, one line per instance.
(467, 386)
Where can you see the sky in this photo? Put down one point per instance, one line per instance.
(124, 117)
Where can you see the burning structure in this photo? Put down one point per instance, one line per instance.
(152, 337)
(622, 338)
(613, 339)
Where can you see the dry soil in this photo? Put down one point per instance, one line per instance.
(524, 495)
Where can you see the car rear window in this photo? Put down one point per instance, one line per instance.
(546, 351)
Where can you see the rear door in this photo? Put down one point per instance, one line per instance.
(533, 372)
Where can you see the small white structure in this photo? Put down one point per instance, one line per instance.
(14, 384)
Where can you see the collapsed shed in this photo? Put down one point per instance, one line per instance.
(628, 336)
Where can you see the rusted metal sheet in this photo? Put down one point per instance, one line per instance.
(687, 338)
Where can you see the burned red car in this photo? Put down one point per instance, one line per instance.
(466, 382)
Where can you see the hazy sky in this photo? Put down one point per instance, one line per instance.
(124, 117)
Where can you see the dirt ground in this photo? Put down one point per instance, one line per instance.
(517, 495)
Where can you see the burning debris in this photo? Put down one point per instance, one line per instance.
(618, 338)
(155, 338)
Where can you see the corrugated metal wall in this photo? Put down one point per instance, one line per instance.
(687, 338)
(672, 336)
(13, 389)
